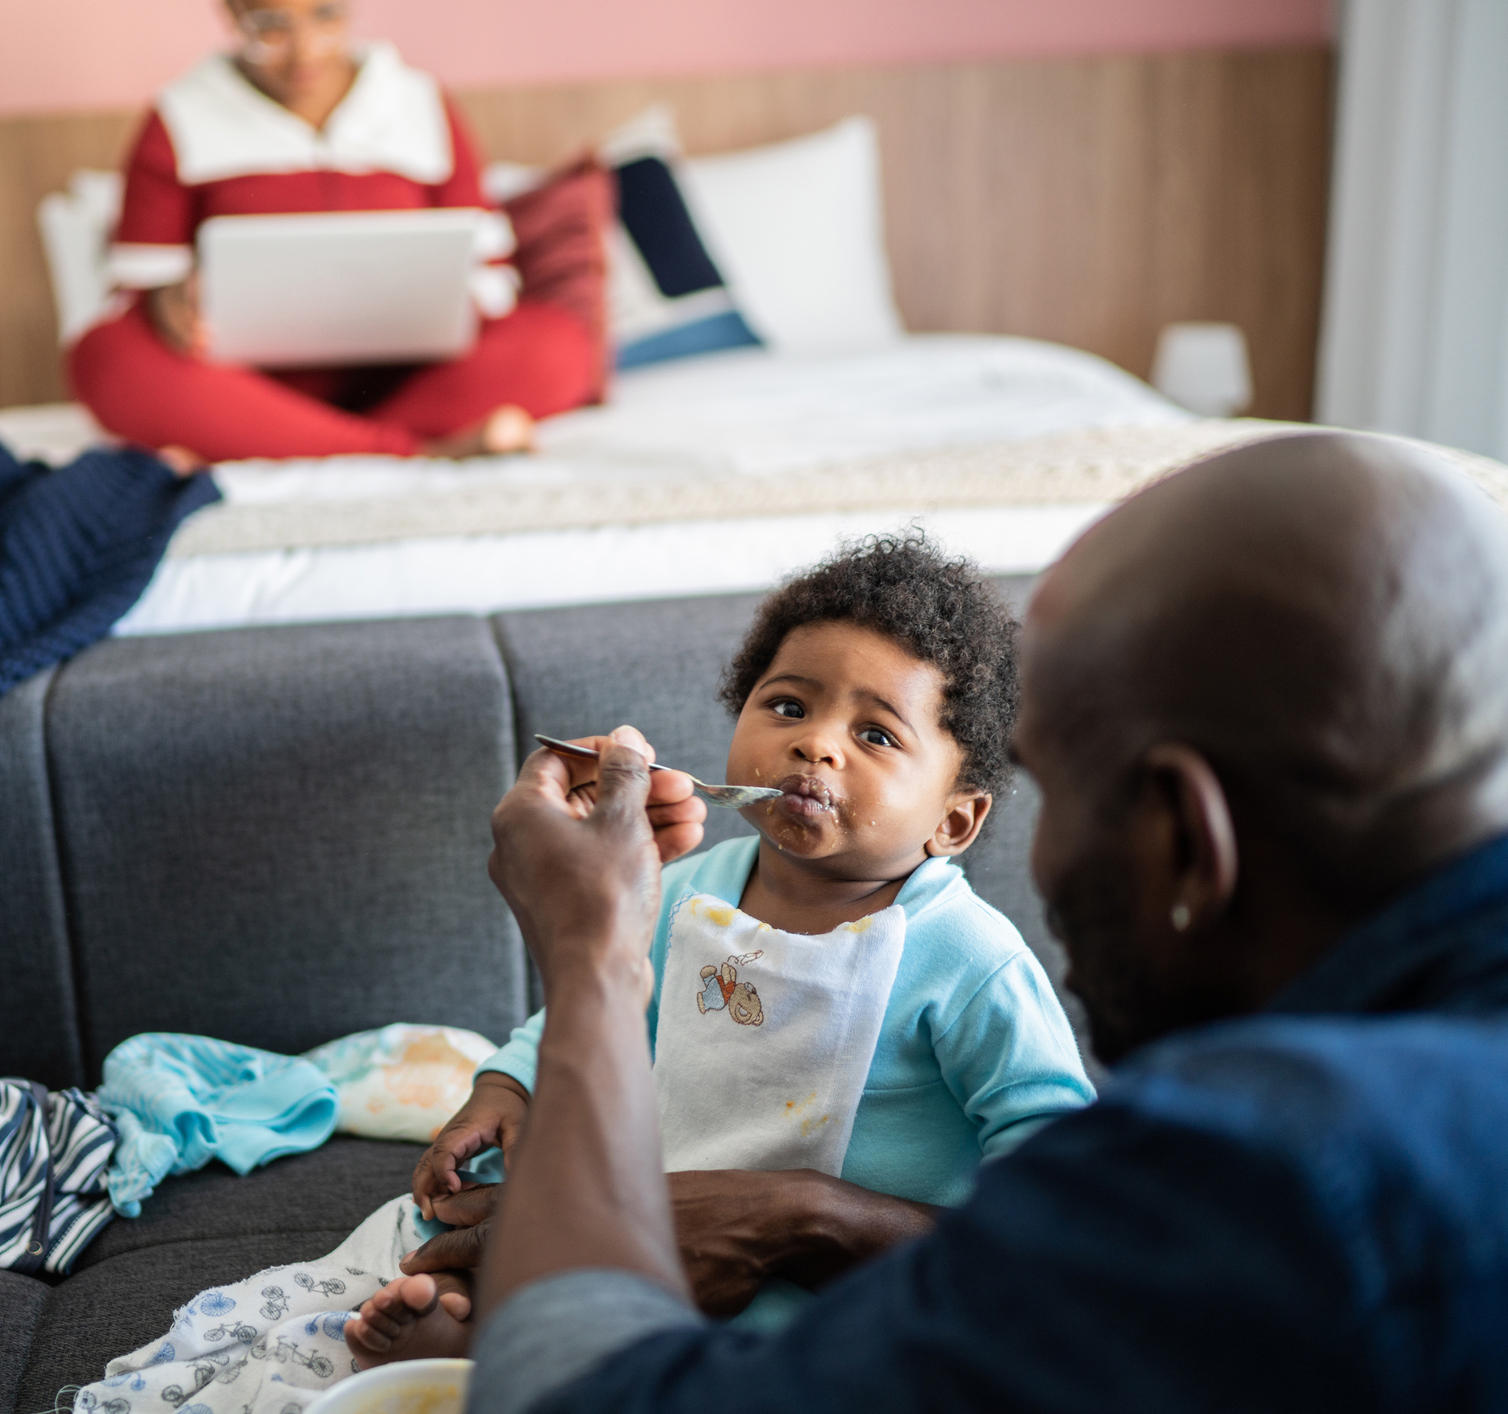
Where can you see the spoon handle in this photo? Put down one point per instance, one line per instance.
(569, 748)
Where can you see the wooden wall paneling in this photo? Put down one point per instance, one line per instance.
(1087, 201)
(37, 156)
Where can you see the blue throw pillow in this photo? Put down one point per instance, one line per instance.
(681, 305)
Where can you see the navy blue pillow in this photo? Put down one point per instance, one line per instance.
(689, 310)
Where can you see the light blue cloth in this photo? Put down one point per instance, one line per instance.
(974, 1053)
(180, 1101)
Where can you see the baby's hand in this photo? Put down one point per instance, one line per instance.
(492, 1117)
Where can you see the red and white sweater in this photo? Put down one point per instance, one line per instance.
(215, 145)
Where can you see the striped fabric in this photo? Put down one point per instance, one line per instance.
(54, 1149)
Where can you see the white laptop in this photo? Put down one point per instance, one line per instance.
(347, 287)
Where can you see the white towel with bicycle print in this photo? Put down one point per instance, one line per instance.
(271, 1344)
(765, 1038)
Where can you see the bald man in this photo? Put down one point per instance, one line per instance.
(1266, 703)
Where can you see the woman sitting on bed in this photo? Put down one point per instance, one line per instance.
(299, 121)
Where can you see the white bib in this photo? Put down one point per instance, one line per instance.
(765, 1038)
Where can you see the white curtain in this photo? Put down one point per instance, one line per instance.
(1415, 333)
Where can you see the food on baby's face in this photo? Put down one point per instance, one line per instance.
(846, 722)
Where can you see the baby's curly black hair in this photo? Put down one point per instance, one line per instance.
(941, 611)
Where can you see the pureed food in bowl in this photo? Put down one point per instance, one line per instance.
(410, 1387)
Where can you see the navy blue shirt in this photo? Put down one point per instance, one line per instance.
(1306, 1209)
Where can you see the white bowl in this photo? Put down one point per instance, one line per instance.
(408, 1387)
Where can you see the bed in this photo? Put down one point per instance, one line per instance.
(720, 473)
(716, 473)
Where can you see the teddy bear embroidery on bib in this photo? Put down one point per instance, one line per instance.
(722, 991)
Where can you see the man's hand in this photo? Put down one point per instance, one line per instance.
(174, 312)
(675, 817)
(471, 1211)
(580, 866)
(737, 1229)
(492, 1117)
(731, 1241)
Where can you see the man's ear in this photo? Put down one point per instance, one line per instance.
(1201, 842)
(961, 825)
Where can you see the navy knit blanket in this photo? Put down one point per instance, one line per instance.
(78, 546)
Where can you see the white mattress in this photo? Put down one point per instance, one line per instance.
(486, 573)
(721, 427)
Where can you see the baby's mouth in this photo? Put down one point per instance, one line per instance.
(807, 797)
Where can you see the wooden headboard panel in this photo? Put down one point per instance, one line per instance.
(1089, 201)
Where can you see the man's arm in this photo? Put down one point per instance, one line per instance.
(737, 1230)
(1116, 1260)
(589, 1191)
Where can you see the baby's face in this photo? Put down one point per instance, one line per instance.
(845, 722)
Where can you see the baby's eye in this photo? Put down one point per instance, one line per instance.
(875, 737)
(786, 708)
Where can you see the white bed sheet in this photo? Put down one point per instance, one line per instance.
(751, 412)
(729, 416)
(602, 564)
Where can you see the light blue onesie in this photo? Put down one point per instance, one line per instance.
(974, 1052)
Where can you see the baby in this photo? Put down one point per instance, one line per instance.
(830, 993)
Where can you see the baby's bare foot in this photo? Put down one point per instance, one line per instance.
(413, 1318)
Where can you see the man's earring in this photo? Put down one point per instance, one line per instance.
(1181, 917)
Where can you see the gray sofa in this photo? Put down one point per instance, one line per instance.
(279, 836)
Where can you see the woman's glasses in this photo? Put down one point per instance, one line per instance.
(269, 34)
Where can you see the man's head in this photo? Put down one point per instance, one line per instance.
(879, 691)
(1259, 699)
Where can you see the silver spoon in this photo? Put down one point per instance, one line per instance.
(735, 797)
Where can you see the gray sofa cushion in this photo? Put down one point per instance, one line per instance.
(39, 1035)
(201, 1230)
(278, 836)
(21, 1302)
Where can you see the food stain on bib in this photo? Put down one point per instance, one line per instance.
(721, 914)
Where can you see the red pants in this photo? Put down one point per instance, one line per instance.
(540, 358)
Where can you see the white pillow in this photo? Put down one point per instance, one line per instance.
(797, 230)
(76, 228)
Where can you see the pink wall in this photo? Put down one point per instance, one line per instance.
(77, 54)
